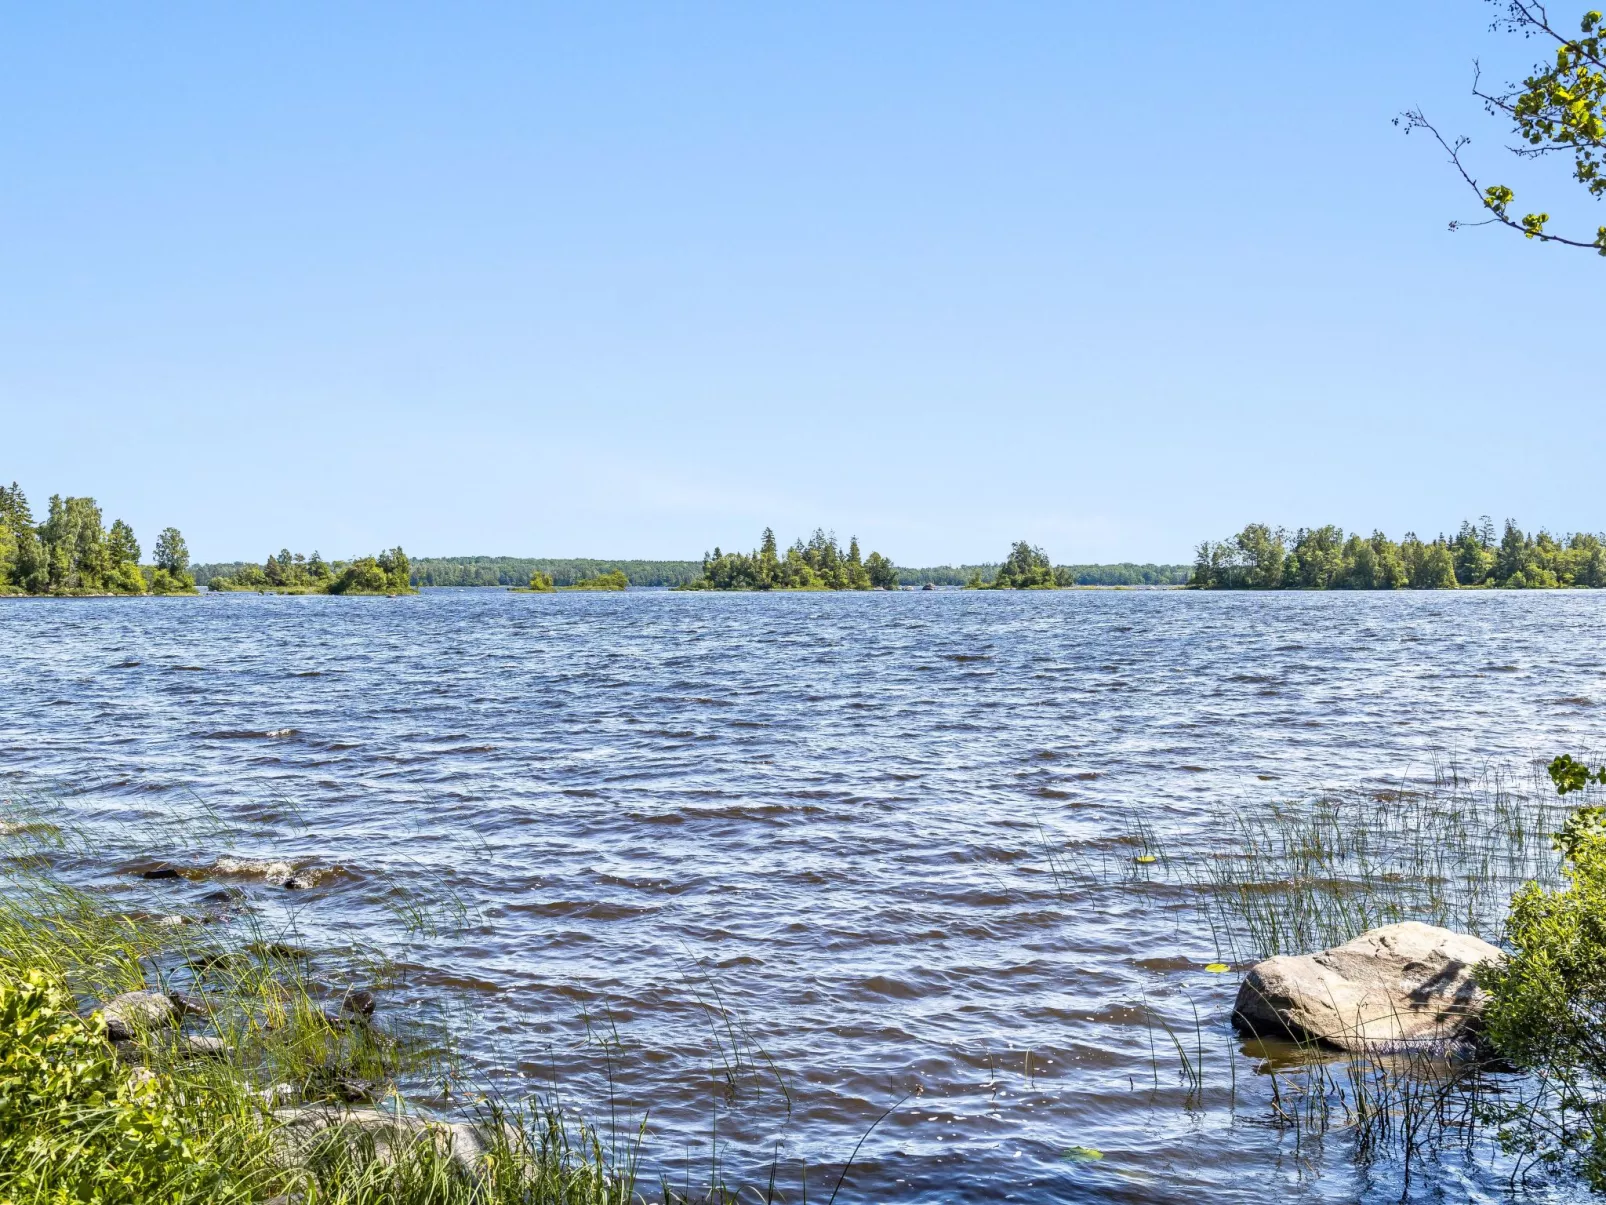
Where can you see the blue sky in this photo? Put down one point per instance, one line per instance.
(636, 280)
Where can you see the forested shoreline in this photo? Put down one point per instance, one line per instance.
(72, 553)
(1323, 558)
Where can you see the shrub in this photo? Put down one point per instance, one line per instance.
(1547, 1001)
(74, 1124)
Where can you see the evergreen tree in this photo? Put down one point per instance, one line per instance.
(121, 544)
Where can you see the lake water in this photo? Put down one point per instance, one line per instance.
(776, 863)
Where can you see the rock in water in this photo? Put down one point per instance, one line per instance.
(204, 1045)
(1405, 986)
(135, 1012)
(358, 1003)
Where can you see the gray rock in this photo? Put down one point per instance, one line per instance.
(203, 1045)
(1398, 988)
(136, 1012)
(302, 1130)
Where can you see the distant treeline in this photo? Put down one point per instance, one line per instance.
(1323, 558)
(1123, 574)
(516, 571)
(72, 552)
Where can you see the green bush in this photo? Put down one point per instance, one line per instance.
(1547, 1002)
(76, 1126)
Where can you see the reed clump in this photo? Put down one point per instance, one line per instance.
(1473, 852)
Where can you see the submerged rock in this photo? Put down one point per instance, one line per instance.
(1402, 987)
(136, 1012)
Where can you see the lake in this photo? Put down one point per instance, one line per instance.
(764, 866)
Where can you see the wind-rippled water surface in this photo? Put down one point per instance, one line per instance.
(775, 863)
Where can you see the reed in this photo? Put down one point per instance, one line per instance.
(1306, 875)
(1450, 851)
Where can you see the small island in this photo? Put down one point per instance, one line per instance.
(541, 583)
(819, 564)
(1027, 567)
(292, 573)
(72, 554)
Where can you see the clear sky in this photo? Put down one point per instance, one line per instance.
(636, 280)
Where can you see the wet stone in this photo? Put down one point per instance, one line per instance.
(1398, 988)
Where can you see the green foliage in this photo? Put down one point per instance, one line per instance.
(1321, 558)
(72, 552)
(603, 581)
(388, 573)
(1025, 568)
(1547, 1001)
(293, 573)
(76, 1126)
(172, 554)
(819, 564)
(121, 545)
(540, 582)
(1558, 109)
(882, 573)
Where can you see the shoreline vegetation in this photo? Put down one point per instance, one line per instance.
(1322, 558)
(292, 573)
(73, 555)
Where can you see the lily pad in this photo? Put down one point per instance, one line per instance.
(1217, 968)
(1145, 858)
(1083, 1154)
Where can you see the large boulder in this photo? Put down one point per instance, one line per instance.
(1402, 987)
